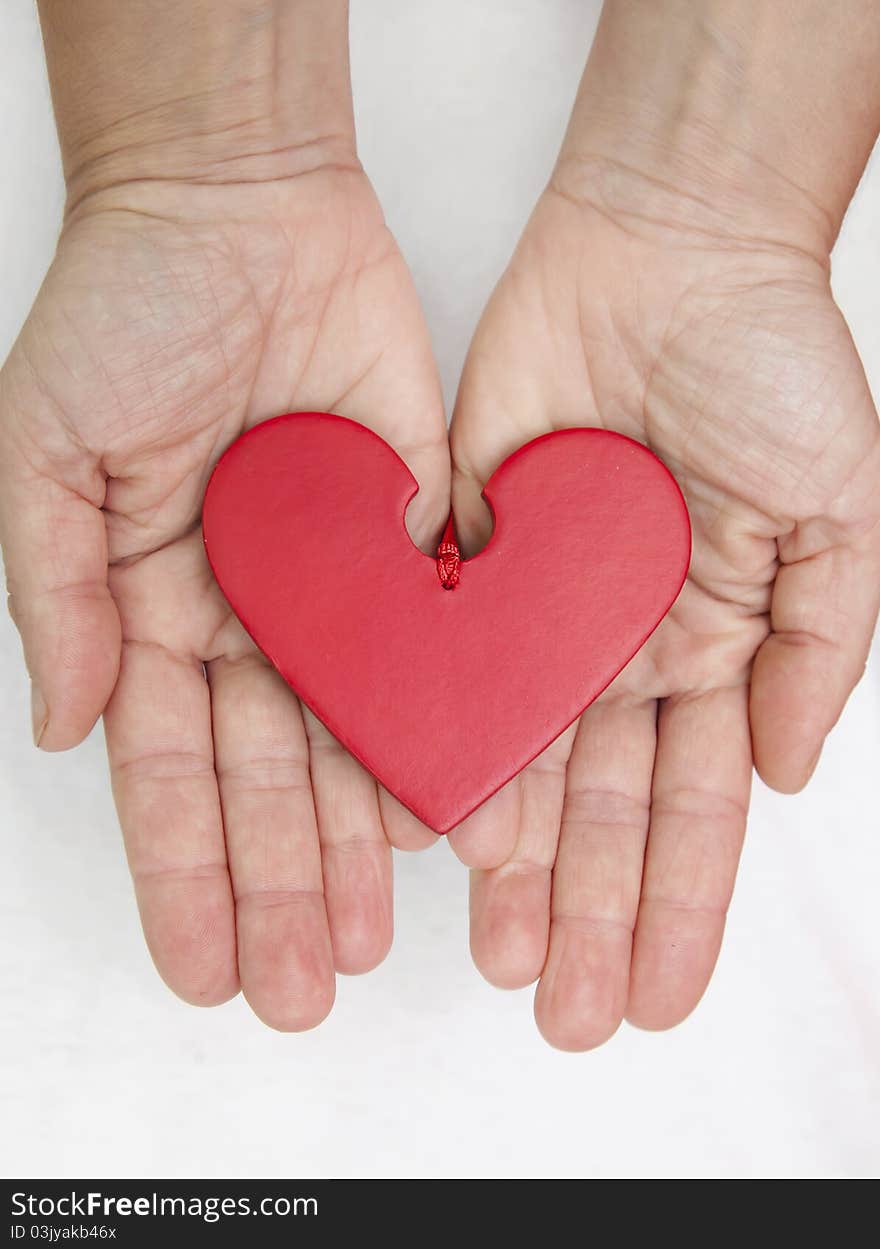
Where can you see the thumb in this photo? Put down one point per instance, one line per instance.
(511, 391)
(823, 615)
(488, 424)
(54, 546)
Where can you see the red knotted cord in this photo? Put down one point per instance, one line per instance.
(448, 558)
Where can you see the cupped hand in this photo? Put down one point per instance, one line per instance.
(174, 317)
(635, 308)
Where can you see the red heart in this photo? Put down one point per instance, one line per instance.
(444, 694)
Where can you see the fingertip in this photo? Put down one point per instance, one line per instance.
(74, 658)
(565, 1030)
(39, 714)
(300, 1014)
(57, 735)
(674, 957)
(404, 830)
(799, 686)
(511, 966)
(362, 940)
(510, 920)
(207, 995)
(487, 837)
(656, 1013)
(286, 960)
(786, 775)
(360, 912)
(580, 1001)
(196, 960)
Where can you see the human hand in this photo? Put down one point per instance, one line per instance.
(670, 288)
(181, 309)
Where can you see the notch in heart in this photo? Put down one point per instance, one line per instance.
(444, 694)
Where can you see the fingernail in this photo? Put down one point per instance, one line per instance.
(39, 714)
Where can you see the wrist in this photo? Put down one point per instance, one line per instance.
(744, 119)
(201, 91)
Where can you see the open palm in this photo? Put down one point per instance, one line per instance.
(170, 321)
(607, 866)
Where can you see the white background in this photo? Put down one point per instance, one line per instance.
(423, 1069)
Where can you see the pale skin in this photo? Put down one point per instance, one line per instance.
(224, 259)
(201, 284)
(672, 284)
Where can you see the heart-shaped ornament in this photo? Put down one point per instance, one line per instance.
(444, 679)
